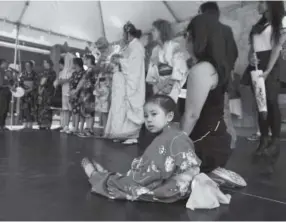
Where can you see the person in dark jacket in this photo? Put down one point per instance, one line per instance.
(231, 47)
(232, 55)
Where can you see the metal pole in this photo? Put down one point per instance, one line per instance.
(101, 19)
(15, 62)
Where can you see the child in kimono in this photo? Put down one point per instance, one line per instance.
(102, 92)
(163, 173)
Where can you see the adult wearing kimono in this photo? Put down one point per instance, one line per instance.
(133, 69)
(162, 174)
(6, 81)
(46, 92)
(28, 81)
(169, 54)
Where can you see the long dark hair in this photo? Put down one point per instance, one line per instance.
(165, 29)
(129, 28)
(276, 13)
(205, 33)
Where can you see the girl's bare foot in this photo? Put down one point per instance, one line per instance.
(98, 167)
(88, 167)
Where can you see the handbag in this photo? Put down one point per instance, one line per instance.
(164, 69)
(259, 88)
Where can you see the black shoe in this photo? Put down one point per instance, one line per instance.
(263, 144)
(272, 152)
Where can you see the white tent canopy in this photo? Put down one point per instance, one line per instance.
(78, 22)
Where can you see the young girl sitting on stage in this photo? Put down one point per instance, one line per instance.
(163, 173)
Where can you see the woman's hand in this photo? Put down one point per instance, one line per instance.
(265, 74)
(253, 60)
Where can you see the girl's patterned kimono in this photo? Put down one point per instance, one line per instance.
(75, 101)
(86, 96)
(102, 96)
(163, 173)
(46, 92)
(103, 69)
(172, 55)
(28, 101)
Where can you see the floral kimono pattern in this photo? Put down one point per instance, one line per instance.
(172, 55)
(87, 98)
(162, 174)
(46, 92)
(102, 97)
(29, 100)
(6, 81)
(75, 101)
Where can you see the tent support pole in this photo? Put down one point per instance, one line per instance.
(101, 19)
(15, 62)
(17, 100)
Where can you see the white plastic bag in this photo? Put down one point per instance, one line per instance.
(259, 89)
(206, 194)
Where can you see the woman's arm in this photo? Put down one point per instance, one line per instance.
(275, 54)
(200, 82)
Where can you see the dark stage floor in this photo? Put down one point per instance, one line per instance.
(41, 179)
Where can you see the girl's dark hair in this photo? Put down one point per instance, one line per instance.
(165, 29)
(102, 79)
(276, 13)
(78, 62)
(209, 45)
(50, 62)
(131, 29)
(91, 58)
(62, 61)
(211, 8)
(30, 63)
(3, 61)
(165, 102)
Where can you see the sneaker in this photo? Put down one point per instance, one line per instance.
(254, 137)
(130, 142)
(227, 178)
(65, 130)
(82, 134)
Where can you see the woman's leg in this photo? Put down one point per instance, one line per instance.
(104, 117)
(274, 118)
(76, 122)
(263, 128)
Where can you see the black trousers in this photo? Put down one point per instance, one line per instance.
(271, 119)
(5, 97)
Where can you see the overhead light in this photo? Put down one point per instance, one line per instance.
(77, 54)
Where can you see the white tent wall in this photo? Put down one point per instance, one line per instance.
(82, 19)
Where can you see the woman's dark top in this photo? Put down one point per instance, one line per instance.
(212, 142)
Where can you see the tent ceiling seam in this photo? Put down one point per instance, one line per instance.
(170, 10)
(43, 30)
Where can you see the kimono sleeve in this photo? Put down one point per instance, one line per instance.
(179, 62)
(132, 64)
(152, 72)
(182, 150)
